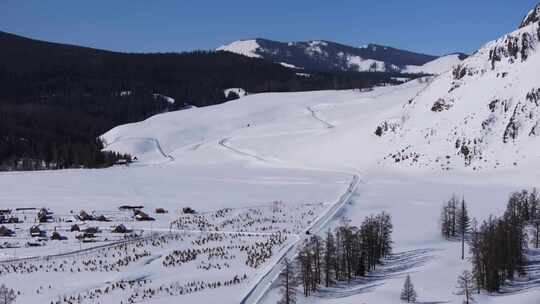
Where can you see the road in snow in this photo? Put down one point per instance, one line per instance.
(267, 277)
(261, 287)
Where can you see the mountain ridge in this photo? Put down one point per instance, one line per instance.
(323, 55)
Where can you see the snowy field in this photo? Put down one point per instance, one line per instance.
(231, 163)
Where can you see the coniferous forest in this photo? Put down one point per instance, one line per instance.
(497, 245)
(345, 254)
(57, 99)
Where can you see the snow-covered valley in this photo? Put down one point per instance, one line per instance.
(219, 195)
(297, 148)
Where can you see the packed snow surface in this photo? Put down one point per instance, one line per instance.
(435, 67)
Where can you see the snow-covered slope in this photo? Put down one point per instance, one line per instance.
(482, 114)
(330, 56)
(437, 66)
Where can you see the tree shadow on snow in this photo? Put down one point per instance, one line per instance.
(530, 280)
(395, 265)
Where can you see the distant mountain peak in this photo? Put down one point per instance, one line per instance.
(328, 56)
(247, 48)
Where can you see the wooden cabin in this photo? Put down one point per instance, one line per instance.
(4, 231)
(75, 228)
(84, 216)
(43, 215)
(142, 217)
(35, 231)
(92, 230)
(56, 236)
(129, 207)
(102, 218)
(188, 210)
(120, 229)
(85, 235)
(161, 211)
(13, 220)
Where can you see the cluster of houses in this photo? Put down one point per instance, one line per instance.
(6, 232)
(86, 235)
(7, 218)
(140, 215)
(44, 215)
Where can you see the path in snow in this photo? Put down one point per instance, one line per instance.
(316, 117)
(154, 141)
(225, 143)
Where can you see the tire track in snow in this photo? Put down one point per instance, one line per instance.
(225, 143)
(316, 117)
(158, 145)
(150, 139)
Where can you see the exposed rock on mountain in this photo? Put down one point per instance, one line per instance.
(484, 113)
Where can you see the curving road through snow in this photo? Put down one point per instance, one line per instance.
(265, 280)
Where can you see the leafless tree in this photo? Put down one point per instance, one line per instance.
(466, 285)
(7, 295)
(288, 284)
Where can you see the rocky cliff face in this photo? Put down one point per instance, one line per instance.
(483, 114)
(532, 17)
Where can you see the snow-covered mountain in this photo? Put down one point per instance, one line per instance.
(484, 113)
(329, 56)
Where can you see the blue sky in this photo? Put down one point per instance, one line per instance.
(429, 26)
